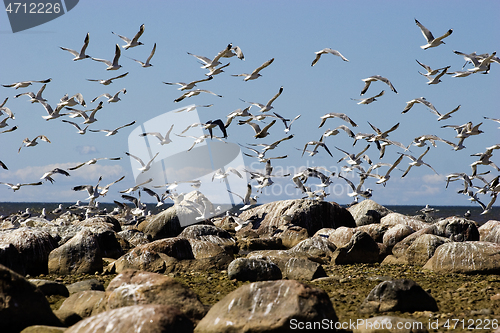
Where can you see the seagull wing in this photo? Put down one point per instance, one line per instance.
(136, 158)
(264, 65)
(427, 34)
(275, 96)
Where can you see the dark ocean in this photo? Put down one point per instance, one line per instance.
(7, 208)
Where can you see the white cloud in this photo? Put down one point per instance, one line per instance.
(86, 150)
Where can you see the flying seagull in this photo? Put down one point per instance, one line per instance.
(255, 74)
(163, 139)
(134, 41)
(417, 162)
(111, 99)
(35, 98)
(248, 200)
(80, 131)
(24, 84)
(94, 161)
(47, 175)
(195, 92)
(231, 51)
(108, 81)
(431, 41)
(114, 131)
(436, 79)
(147, 64)
(190, 85)
(326, 51)
(112, 65)
(261, 133)
(421, 100)
(429, 70)
(268, 106)
(79, 55)
(374, 78)
(31, 143)
(17, 186)
(369, 99)
(144, 167)
(342, 116)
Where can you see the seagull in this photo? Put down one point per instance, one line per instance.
(3, 166)
(316, 144)
(335, 131)
(357, 191)
(6, 109)
(287, 126)
(431, 41)
(139, 206)
(272, 145)
(231, 51)
(159, 201)
(79, 55)
(460, 73)
(110, 80)
(190, 85)
(421, 100)
(17, 186)
(494, 119)
(111, 99)
(420, 140)
(91, 190)
(484, 159)
(436, 79)
(248, 200)
(35, 98)
(255, 74)
(112, 65)
(83, 113)
(113, 132)
(261, 155)
(47, 175)
(94, 161)
(373, 78)
(53, 114)
(446, 115)
(383, 179)
(209, 125)
(483, 64)
(80, 131)
(429, 70)
(261, 133)
(417, 162)
(147, 64)
(134, 42)
(192, 108)
(215, 71)
(342, 116)
(197, 140)
(239, 221)
(72, 101)
(163, 139)
(355, 159)
(105, 189)
(136, 187)
(220, 174)
(370, 99)
(326, 51)
(31, 143)
(24, 84)
(268, 106)
(144, 167)
(211, 63)
(3, 123)
(194, 93)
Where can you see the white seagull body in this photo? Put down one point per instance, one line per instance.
(190, 85)
(134, 41)
(374, 78)
(326, 51)
(163, 139)
(431, 41)
(108, 81)
(34, 98)
(255, 74)
(111, 99)
(114, 131)
(79, 55)
(112, 66)
(31, 143)
(147, 64)
(144, 166)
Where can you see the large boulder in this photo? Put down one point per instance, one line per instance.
(398, 295)
(318, 249)
(396, 234)
(163, 225)
(393, 219)
(33, 245)
(309, 214)
(210, 233)
(80, 255)
(360, 249)
(84, 303)
(423, 248)
(22, 304)
(458, 229)
(133, 287)
(466, 257)
(151, 318)
(269, 306)
(368, 212)
(245, 269)
(490, 232)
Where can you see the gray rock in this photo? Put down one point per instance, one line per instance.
(341, 236)
(43, 329)
(398, 295)
(423, 248)
(396, 233)
(317, 249)
(84, 303)
(140, 288)
(90, 284)
(291, 235)
(360, 249)
(466, 257)
(67, 317)
(458, 229)
(292, 266)
(218, 262)
(22, 304)
(375, 230)
(211, 234)
(163, 225)
(151, 318)
(33, 245)
(79, 255)
(368, 212)
(490, 232)
(312, 215)
(49, 288)
(260, 243)
(134, 237)
(244, 269)
(269, 306)
(393, 219)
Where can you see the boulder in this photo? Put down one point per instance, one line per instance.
(458, 229)
(260, 243)
(291, 235)
(341, 236)
(210, 233)
(90, 284)
(84, 303)
(80, 255)
(133, 287)
(312, 215)
(423, 248)
(268, 306)
(360, 249)
(49, 288)
(33, 245)
(43, 329)
(163, 225)
(134, 237)
(490, 232)
(137, 318)
(466, 257)
(398, 295)
(375, 230)
(22, 304)
(245, 269)
(396, 233)
(317, 249)
(393, 219)
(368, 212)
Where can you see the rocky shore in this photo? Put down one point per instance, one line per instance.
(290, 265)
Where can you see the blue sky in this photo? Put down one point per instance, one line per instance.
(378, 38)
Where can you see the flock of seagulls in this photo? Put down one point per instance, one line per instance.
(262, 127)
